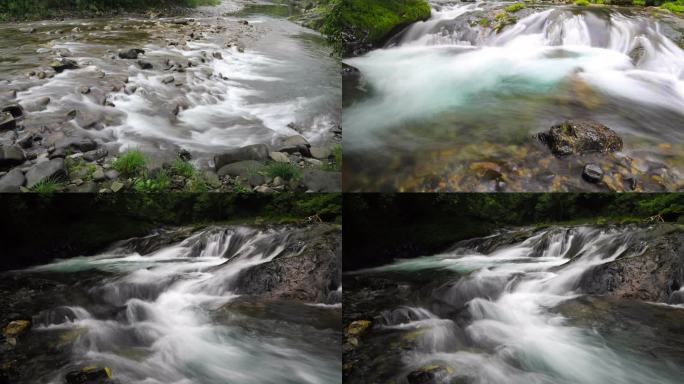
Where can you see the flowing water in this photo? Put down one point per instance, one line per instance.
(170, 316)
(514, 314)
(450, 91)
(240, 83)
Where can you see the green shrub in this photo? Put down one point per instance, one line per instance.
(285, 171)
(131, 163)
(639, 2)
(515, 7)
(160, 183)
(196, 184)
(582, 2)
(336, 165)
(75, 166)
(677, 7)
(183, 168)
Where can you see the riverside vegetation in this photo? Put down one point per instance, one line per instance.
(173, 99)
(491, 125)
(118, 284)
(520, 287)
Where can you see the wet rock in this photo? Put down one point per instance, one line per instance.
(7, 122)
(653, 275)
(168, 80)
(577, 137)
(592, 173)
(89, 375)
(295, 141)
(12, 181)
(73, 144)
(357, 327)
(257, 152)
(117, 186)
(84, 90)
(63, 64)
(131, 54)
(486, 170)
(264, 189)
(53, 170)
(86, 187)
(37, 104)
(320, 153)
(304, 273)
(27, 139)
(241, 168)
(143, 64)
(96, 154)
(112, 174)
(217, 55)
(184, 155)
(429, 374)
(279, 157)
(129, 90)
(316, 180)
(15, 329)
(255, 179)
(15, 110)
(313, 162)
(11, 155)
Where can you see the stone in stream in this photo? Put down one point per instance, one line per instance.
(14, 329)
(131, 54)
(7, 121)
(61, 65)
(241, 168)
(592, 173)
(15, 110)
(257, 152)
(53, 170)
(145, 64)
(27, 139)
(37, 104)
(168, 79)
(217, 55)
(84, 90)
(89, 375)
(11, 155)
(12, 181)
(578, 137)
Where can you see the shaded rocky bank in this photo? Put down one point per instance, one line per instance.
(57, 315)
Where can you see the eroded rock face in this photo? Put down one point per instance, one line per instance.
(655, 275)
(309, 276)
(578, 137)
(256, 152)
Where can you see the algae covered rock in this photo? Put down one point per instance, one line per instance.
(579, 137)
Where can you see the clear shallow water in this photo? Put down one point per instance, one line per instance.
(247, 84)
(493, 316)
(449, 83)
(170, 316)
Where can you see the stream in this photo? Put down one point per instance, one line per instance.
(464, 91)
(511, 309)
(220, 77)
(168, 313)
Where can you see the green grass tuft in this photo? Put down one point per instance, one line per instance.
(515, 7)
(336, 164)
(183, 168)
(131, 163)
(47, 186)
(677, 7)
(582, 2)
(160, 183)
(285, 171)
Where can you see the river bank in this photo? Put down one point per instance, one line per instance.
(179, 98)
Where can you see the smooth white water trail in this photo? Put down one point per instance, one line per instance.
(171, 327)
(513, 334)
(448, 68)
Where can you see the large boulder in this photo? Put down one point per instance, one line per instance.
(11, 155)
(654, 275)
(258, 152)
(579, 137)
(308, 274)
(53, 170)
(241, 168)
(316, 180)
(15, 110)
(73, 144)
(12, 181)
(90, 375)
